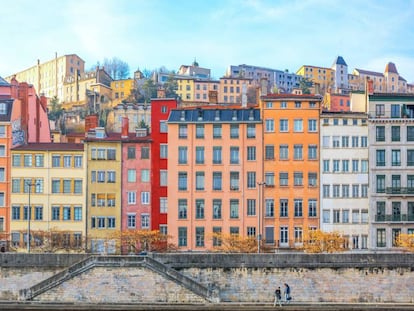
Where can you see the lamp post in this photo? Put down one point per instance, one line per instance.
(259, 210)
(29, 184)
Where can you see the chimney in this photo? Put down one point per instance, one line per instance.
(263, 87)
(161, 93)
(125, 127)
(91, 122)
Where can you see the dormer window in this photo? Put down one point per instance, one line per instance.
(3, 108)
(251, 114)
(200, 115)
(182, 117)
(217, 115)
(234, 117)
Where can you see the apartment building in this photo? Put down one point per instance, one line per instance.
(322, 77)
(231, 90)
(197, 90)
(291, 167)
(344, 186)
(137, 114)
(391, 171)
(121, 90)
(214, 168)
(48, 77)
(48, 193)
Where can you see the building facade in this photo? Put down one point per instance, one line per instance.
(344, 186)
(213, 173)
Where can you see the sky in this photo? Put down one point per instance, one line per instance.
(217, 33)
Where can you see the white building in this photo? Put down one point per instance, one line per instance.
(344, 176)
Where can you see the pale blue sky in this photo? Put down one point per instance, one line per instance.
(148, 34)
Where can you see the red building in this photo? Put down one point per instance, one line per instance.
(160, 110)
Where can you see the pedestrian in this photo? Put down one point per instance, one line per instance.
(288, 297)
(278, 297)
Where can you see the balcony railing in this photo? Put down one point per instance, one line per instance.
(400, 190)
(395, 218)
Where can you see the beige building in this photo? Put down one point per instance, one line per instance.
(48, 77)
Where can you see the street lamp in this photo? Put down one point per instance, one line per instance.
(259, 209)
(29, 184)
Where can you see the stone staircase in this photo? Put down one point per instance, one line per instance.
(210, 295)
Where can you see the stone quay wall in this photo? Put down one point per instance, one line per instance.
(243, 278)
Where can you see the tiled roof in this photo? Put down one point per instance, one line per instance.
(3, 82)
(214, 115)
(340, 61)
(50, 147)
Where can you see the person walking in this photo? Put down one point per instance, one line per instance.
(278, 297)
(288, 297)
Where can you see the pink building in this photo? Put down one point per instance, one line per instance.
(214, 167)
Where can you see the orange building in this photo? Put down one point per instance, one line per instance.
(291, 167)
(214, 167)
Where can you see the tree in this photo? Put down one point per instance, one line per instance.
(171, 86)
(55, 111)
(233, 243)
(115, 67)
(318, 241)
(149, 90)
(406, 241)
(305, 84)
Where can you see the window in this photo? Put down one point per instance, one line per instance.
(111, 177)
(132, 175)
(182, 209)
(396, 157)
(163, 205)
(234, 208)
(101, 176)
(251, 131)
(355, 191)
(145, 197)
(355, 216)
(345, 166)
(269, 208)
(312, 179)
(380, 157)
(55, 185)
(283, 206)
(298, 104)
(345, 191)
(395, 133)
(283, 152)
(199, 155)
(200, 131)
(66, 213)
(364, 141)
(251, 207)
(216, 131)
(355, 141)
(312, 208)
(283, 125)
(182, 155)
(131, 221)
(182, 131)
(298, 178)
(55, 161)
(336, 165)
(163, 178)
(182, 181)
(38, 212)
(335, 191)
(355, 165)
(199, 236)
(379, 110)
(326, 191)
(298, 207)
(270, 179)
(145, 175)
(163, 151)
(217, 181)
(298, 125)
(77, 186)
(336, 216)
(145, 153)
(312, 125)
(234, 131)
(345, 141)
(395, 111)
(199, 209)
(132, 197)
(269, 125)
(380, 133)
(55, 213)
(326, 166)
(284, 235)
(67, 161)
(269, 152)
(216, 209)
(217, 151)
(381, 239)
(145, 221)
(2, 131)
(111, 154)
(326, 141)
(251, 153)
(283, 179)
(312, 152)
(234, 181)
(200, 181)
(77, 213)
(16, 160)
(336, 141)
(182, 236)
(251, 180)
(410, 157)
(298, 152)
(234, 155)
(131, 152)
(410, 133)
(380, 182)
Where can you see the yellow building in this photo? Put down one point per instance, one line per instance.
(191, 89)
(323, 78)
(121, 90)
(48, 77)
(231, 89)
(104, 190)
(51, 178)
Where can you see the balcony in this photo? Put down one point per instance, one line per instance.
(395, 218)
(400, 191)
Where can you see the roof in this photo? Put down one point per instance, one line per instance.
(340, 61)
(367, 72)
(117, 137)
(50, 147)
(4, 82)
(292, 97)
(391, 68)
(201, 115)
